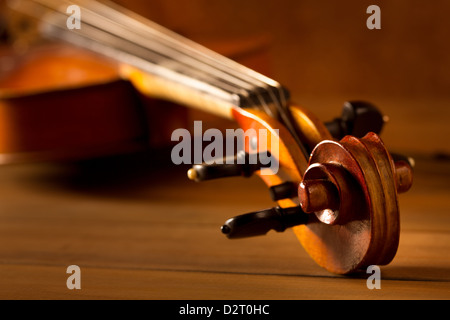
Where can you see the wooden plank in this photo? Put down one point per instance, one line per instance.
(167, 231)
(138, 230)
(49, 282)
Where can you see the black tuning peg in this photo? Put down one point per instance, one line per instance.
(400, 157)
(357, 119)
(285, 190)
(260, 222)
(243, 164)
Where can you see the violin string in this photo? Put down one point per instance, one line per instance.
(108, 45)
(170, 42)
(138, 33)
(128, 31)
(144, 60)
(203, 53)
(121, 30)
(268, 85)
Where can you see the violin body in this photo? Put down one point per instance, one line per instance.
(61, 102)
(337, 185)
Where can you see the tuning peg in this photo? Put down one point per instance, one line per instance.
(357, 119)
(340, 175)
(243, 164)
(285, 190)
(400, 157)
(260, 222)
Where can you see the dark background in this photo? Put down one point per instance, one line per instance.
(324, 53)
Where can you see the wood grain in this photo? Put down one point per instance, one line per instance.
(139, 229)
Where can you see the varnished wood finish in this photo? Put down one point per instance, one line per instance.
(376, 192)
(61, 102)
(291, 160)
(311, 128)
(366, 231)
(156, 87)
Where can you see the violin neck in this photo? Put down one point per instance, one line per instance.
(162, 63)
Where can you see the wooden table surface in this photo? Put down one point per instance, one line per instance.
(139, 229)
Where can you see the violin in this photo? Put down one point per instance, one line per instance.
(336, 185)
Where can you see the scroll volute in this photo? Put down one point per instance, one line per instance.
(349, 188)
(352, 187)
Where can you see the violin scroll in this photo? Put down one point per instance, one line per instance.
(342, 202)
(351, 188)
(335, 183)
(329, 186)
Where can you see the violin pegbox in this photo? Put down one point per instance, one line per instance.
(281, 178)
(342, 202)
(278, 142)
(340, 197)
